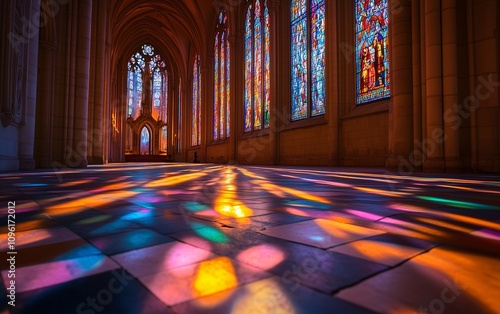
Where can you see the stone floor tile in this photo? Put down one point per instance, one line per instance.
(321, 233)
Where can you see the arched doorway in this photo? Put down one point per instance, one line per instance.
(145, 141)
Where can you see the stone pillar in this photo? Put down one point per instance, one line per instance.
(82, 69)
(450, 86)
(402, 85)
(95, 130)
(10, 41)
(205, 111)
(232, 100)
(27, 130)
(416, 156)
(274, 119)
(45, 101)
(433, 141)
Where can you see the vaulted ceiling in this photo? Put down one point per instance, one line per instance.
(177, 28)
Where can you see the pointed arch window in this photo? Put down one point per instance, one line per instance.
(147, 98)
(372, 59)
(196, 118)
(159, 80)
(308, 58)
(257, 76)
(222, 74)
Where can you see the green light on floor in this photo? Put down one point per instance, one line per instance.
(211, 233)
(195, 206)
(458, 204)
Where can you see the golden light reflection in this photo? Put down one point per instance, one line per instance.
(345, 231)
(456, 217)
(281, 191)
(91, 201)
(382, 192)
(214, 276)
(73, 183)
(227, 206)
(385, 253)
(414, 226)
(444, 224)
(265, 296)
(173, 180)
(467, 272)
(226, 202)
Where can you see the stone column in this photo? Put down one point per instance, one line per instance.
(10, 43)
(274, 120)
(95, 131)
(450, 86)
(82, 69)
(45, 103)
(416, 156)
(27, 130)
(205, 111)
(432, 143)
(232, 99)
(401, 85)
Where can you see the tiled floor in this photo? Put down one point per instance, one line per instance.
(185, 238)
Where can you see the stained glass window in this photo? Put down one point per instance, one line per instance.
(222, 73)
(147, 80)
(257, 76)
(159, 83)
(307, 58)
(372, 50)
(196, 118)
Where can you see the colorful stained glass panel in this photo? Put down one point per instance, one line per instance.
(372, 50)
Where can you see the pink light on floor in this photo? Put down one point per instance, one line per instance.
(364, 215)
(181, 254)
(263, 256)
(45, 275)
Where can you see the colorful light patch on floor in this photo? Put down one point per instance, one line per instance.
(214, 276)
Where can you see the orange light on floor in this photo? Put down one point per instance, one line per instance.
(95, 201)
(214, 276)
(228, 206)
(169, 181)
(281, 191)
(73, 183)
(264, 296)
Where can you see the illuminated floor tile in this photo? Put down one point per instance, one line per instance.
(38, 237)
(270, 295)
(442, 280)
(129, 241)
(108, 292)
(321, 233)
(185, 283)
(205, 238)
(45, 275)
(161, 258)
(52, 252)
(389, 254)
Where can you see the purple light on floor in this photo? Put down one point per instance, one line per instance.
(364, 215)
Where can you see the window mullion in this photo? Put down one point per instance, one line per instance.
(309, 58)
